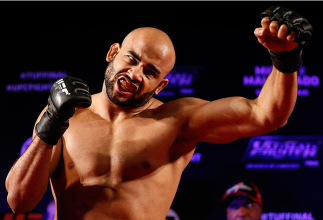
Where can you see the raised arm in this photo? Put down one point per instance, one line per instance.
(229, 119)
(27, 180)
(284, 33)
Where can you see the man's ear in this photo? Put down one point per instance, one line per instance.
(114, 49)
(161, 85)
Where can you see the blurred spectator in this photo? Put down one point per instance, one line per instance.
(243, 201)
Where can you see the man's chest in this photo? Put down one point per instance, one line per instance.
(101, 153)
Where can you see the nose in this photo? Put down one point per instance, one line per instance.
(242, 211)
(136, 73)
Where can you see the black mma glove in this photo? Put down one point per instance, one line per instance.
(65, 94)
(289, 61)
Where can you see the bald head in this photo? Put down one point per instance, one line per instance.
(138, 67)
(152, 42)
(149, 32)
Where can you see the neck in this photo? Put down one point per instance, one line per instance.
(112, 112)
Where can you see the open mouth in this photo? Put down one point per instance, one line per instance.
(126, 85)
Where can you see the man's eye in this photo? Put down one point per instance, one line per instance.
(150, 73)
(131, 58)
(248, 205)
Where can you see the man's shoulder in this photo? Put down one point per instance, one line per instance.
(175, 105)
(184, 101)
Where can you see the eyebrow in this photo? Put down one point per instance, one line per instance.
(149, 65)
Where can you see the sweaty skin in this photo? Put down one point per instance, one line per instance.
(122, 158)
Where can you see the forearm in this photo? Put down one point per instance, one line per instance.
(284, 33)
(277, 98)
(27, 180)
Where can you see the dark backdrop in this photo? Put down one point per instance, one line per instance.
(216, 38)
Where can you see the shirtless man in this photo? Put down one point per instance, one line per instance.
(122, 156)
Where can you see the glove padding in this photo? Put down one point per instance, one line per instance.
(65, 94)
(294, 22)
(289, 61)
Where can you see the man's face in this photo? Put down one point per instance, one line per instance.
(243, 208)
(137, 68)
(126, 85)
